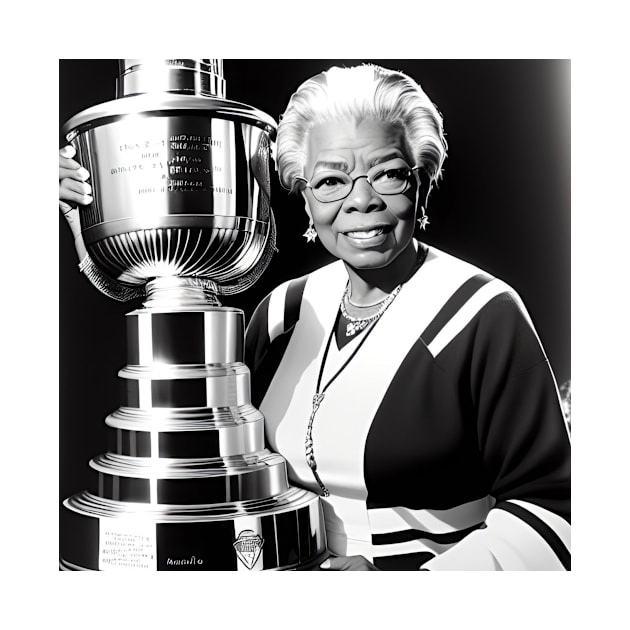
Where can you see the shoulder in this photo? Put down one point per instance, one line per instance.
(460, 272)
(274, 319)
(289, 294)
(279, 311)
(476, 306)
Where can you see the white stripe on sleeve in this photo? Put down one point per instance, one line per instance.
(388, 520)
(465, 314)
(275, 314)
(506, 544)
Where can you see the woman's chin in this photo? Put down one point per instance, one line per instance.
(368, 259)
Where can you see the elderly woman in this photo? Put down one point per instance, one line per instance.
(406, 387)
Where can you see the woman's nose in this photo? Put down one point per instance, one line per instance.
(363, 198)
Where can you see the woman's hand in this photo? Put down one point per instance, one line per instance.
(73, 186)
(347, 563)
(73, 189)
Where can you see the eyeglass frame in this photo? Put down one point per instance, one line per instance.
(353, 181)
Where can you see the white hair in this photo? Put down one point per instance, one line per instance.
(357, 93)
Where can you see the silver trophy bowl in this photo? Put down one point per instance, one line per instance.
(180, 178)
(180, 215)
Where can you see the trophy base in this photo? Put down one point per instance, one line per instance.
(281, 533)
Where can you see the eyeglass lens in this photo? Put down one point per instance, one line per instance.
(385, 179)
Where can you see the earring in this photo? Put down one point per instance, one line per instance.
(423, 221)
(310, 235)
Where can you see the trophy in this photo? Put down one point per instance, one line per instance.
(180, 216)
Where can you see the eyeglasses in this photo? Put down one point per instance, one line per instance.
(388, 178)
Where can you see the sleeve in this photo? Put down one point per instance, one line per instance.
(268, 333)
(523, 441)
(257, 338)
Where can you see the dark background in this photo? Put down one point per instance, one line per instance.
(503, 204)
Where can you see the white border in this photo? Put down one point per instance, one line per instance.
(594, 37)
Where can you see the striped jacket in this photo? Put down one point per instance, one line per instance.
(442, 441)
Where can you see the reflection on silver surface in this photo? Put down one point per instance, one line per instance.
(190, 482)
(181, 187)
(183, 195)
(196, 76)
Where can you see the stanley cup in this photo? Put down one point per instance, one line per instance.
(180, 216)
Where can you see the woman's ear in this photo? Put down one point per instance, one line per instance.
(307, 207)
(424, 189)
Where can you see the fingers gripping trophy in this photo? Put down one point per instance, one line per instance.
(180, 215)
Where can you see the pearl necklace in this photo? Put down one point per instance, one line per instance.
(357, 324)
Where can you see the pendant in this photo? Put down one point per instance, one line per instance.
(317, 399)
(308, 444)
(354, 327)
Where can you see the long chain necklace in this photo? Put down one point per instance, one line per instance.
(320, 392)
(357, 324)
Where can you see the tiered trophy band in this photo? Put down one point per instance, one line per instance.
(283, 532)
(187, 483)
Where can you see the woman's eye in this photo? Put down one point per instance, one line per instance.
(395, 173)
(329, 182)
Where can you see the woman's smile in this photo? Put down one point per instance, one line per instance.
(367, 237)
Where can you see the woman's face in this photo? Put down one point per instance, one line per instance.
(366, 230)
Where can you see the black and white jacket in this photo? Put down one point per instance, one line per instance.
(442, 441)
